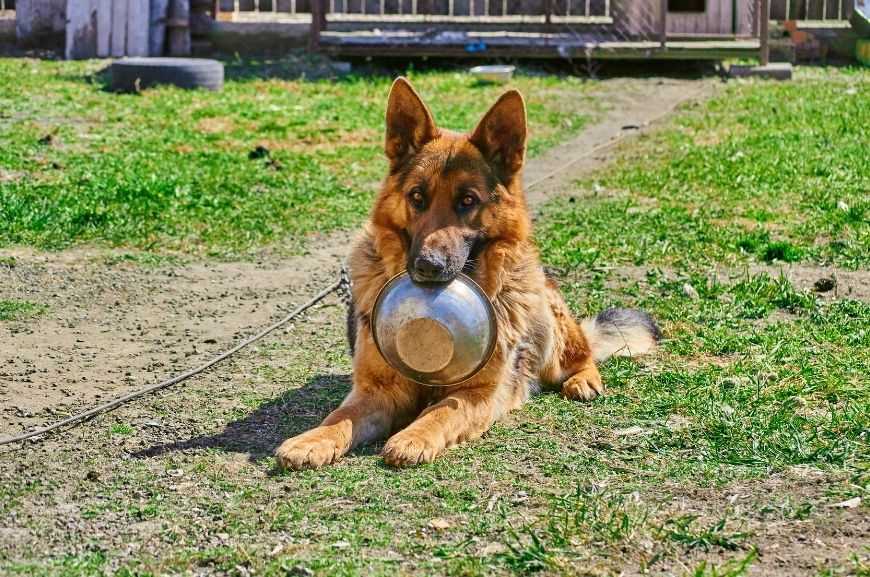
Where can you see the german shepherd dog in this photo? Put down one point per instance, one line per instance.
(454, 203)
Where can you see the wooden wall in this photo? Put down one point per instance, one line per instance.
(811, 9)
(103, 28)
(714, 20)
(39, 19)
(435, 7)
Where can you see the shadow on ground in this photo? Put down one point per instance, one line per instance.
(259, 433)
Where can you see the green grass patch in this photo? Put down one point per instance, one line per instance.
(16, 310)
(179, 170)
(767, 173)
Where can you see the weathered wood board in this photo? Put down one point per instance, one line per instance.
(119, 28)
(81, 29)
(138, 22)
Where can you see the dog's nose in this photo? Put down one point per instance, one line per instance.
(428, 268)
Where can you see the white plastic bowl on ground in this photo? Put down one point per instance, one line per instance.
(498, 73)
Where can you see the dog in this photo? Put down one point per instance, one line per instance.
(454, 203)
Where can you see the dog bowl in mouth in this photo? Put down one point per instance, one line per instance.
(434, 334)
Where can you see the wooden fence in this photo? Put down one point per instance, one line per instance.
(504, 10)
(568, 11)
(826, 10)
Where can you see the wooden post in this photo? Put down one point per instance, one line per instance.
(316, 25)
(119, 28)
(104, 28)
(157, 34)
(179, 27)
(663, 23)
(763, 32)
(138, 24)
(81, 29)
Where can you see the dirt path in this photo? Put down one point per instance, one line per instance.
(111, 328)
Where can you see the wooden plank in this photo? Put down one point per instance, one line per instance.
(157, 34)
(316, 26)
(763, 34)
(663, 22)
(138, 22)
(81, 31)
(104, 28)
(118, 46)
(531, 46)
(179, 28)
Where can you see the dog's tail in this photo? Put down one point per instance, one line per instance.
(621, 332)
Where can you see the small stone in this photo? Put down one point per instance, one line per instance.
(493, 549)
(677, 422)
(631, 431)
(841, 204)
(848, 504)
(691, 292)
(439, 524)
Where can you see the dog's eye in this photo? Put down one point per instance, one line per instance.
(468, 201)
(417, 199)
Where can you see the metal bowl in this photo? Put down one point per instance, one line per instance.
(434, 334)
(496, 73)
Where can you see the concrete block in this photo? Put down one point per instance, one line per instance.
(774, 71)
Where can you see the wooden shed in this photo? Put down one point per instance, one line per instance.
(691, 29)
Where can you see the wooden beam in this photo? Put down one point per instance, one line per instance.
(179, 27)
(663, 22)
(157, 34)
(317, 21)
(512, 45)
(104, 28)
(119, 28)
(138, 23)
(763, 32)
(81, 29)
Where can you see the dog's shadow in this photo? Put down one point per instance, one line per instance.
(260, 432)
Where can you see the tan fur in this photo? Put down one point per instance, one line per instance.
(537, 337)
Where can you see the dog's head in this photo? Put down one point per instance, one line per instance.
(447, 194)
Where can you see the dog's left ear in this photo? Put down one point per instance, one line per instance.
(501, 134)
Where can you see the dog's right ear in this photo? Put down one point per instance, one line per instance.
(409, 122)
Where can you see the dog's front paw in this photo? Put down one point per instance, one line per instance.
(409, 448)
(583, 386)
(316, 448)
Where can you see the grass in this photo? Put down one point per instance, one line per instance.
(729, 447)
(181, 170)
(16, 310)
(762, 173)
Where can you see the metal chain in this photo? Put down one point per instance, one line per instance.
(341, 286)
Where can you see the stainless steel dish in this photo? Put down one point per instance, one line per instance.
(497, 73)
(434, 334)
